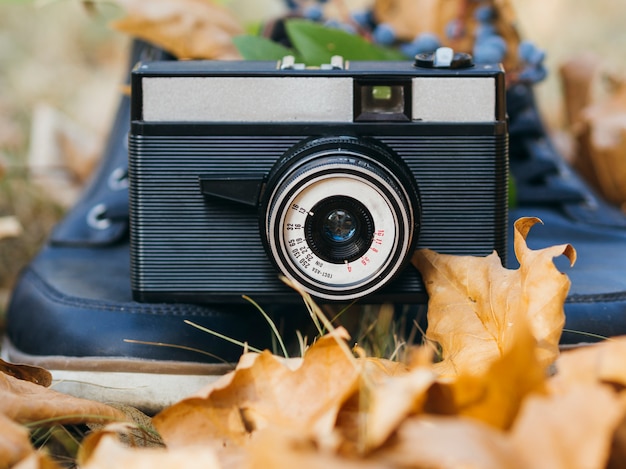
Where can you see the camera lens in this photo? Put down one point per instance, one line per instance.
(340, 216)
(339, 226)
(340, 229)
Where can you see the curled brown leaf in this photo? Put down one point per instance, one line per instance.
(189, 29)
(264, 392)
(475, 304)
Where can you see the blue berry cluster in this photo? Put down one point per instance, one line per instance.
(489, 46)
(533, 60)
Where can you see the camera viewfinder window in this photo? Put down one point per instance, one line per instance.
(382, 102)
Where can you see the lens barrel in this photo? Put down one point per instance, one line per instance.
(340, 216)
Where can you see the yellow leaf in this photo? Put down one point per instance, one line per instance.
(264, 393)
(189, 29)
(37, 460)
(543, 289)
(598, 363)
(276, 448)
(109, 452)
(475, 304)
(24, 401)
(572, 430)
(449, 443)
(495, 396)
(14, 442)
(389, 402)
(30, 373)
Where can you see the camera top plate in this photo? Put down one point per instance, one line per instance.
(362, 91)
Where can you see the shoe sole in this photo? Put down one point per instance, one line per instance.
(147, 385)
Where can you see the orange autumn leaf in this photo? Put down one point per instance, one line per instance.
(189, 29)
(30, 373)
(495, 396)
(276, 448)
(569, 430)
(110, 452)
(449, 443)
(14, 442)
(475, 304)
(600, 363)
(543, 289)
(391, 401)
(24, 401)
(264, 392)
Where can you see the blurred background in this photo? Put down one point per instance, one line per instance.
(61, 67)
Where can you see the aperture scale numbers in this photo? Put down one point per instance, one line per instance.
(307, 260)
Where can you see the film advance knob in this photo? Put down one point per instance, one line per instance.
(444, 57)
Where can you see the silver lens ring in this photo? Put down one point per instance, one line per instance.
(340, 224)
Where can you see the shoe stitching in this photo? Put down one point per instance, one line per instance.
(614, 297)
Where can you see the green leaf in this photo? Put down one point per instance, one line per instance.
(259, 48)
(316, 44)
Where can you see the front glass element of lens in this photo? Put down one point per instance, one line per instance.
(339, 229)
(339, 226)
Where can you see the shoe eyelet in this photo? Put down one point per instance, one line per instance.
(96, 217)
(118, 179)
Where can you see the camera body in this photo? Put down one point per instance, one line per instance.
(242, 171)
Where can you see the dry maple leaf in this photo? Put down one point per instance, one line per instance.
(37, 460)
(571, 430)
(14, 442)
(265, 392)
(110, 452)
(277, 448)
(30, 373)
(449, 443)
(495, 396)
(24, 401)
(475, 304)
(390, 402)
(189, 29)
(602, 363)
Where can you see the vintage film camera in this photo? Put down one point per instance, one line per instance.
(242, 171)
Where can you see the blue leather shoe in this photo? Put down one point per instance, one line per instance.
(571, 213)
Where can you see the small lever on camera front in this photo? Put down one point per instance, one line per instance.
(241, 188)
